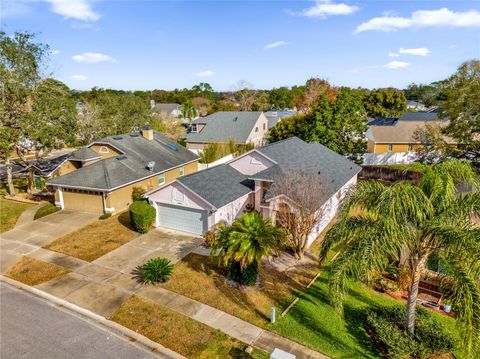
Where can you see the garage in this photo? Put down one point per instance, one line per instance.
(182, 218)
(83, 201)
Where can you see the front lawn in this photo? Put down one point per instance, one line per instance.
(96, 239)
(200, 278)
(46, 210)
(9, 213)
(314, 323)
(32, 271)
(178, 332)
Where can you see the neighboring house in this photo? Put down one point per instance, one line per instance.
(399, 134)
(103, 174)
(197, 202)
(275, 116)
(416, 106)
(246, 127)
(167, 110)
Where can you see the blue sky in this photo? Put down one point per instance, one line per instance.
(130, 45)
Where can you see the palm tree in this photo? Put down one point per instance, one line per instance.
(379, 222)
(189, 112)
(247, 240)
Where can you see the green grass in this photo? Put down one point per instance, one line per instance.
(9, 213)
(46, 210)
(314, 322)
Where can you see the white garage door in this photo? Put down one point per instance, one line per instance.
(181, 218)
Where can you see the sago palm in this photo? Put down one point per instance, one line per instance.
(379, 222)
(247, 240)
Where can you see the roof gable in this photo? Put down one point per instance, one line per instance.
(224, 125)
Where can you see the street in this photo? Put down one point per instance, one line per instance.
(32, 328)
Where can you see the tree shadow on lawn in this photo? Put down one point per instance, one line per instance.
(353, 320)
(125, 220)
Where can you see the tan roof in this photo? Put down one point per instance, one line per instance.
(402, 131)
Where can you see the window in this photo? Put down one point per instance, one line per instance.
(161, 178)
(264, 126)
(410, 147)
(256, 129)
(194, 127)
(182, 171)
(390, 147)
(104, 149)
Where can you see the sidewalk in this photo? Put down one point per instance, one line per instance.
(102, 289)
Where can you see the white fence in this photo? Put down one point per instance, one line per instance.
(389, 158)
(202, 166)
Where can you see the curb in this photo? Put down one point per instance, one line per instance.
(128, 334)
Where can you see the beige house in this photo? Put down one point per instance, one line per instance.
(246, 127)
(399, 135)
(103, 178)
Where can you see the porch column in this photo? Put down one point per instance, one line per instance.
(60, 198)
(258, 196)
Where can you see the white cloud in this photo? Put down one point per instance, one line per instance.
(422, 18)
(74, 9)
(93, 57)
(205, 73)
(395, 65)
(420, 51)
(393, 54)
(275, 44)
(12, 8)
(354, 71)
(324, 8)
(79, 78)
(55, 52)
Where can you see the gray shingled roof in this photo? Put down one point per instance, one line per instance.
(218, 185)
(131, 166)
(221, 126)
(293, 154)
(167, 108)
(223, 184)
(84, 154)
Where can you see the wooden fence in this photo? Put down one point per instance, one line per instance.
(388, 174)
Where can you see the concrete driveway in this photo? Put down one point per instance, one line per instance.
(156, 243)
(31, 235)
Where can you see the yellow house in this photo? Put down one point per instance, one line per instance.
(103, 177)
(402, 134)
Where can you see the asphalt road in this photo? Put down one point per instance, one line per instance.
(33, 328)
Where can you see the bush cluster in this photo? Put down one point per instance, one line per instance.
(387, 326)
(246, 276)
(142, 216)
(157, 270)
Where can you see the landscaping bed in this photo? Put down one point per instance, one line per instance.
(33, 271)
(9, 213)
(96, 239)
(178, 332)
(201, 278)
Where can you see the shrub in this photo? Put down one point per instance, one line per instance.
(387, 326)
(46, 210)
(157, 270)
(137, 193)
(142, 216)
(105, 216)
(246, 276)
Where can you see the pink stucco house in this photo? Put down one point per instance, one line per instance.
(195, 203)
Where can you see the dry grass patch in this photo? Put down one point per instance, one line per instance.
(178, 332)
(33, 271)
(202, 279)
(96, 239)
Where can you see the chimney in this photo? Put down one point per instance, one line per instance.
(147, 132)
